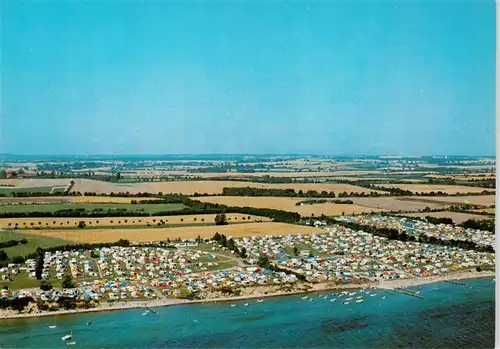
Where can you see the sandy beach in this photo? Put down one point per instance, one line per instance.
(258, 293)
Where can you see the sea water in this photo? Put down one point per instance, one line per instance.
(449, 316)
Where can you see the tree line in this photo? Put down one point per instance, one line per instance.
(322, 201)
(485, 224)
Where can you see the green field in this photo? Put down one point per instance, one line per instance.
(9, 190)
(34, 241)
(148, 208)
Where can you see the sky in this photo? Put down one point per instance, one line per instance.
(337, 78)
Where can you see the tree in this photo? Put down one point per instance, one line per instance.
(67, 281)
(243, 253)
(39, 263)
(18, 260)
(295, 251)
(81, 224)
(3, 174)
(264, 261)
(221, 219)
(45, 286)
(3, 255)
(123, 242)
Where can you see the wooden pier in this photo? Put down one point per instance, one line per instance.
(408, 293)
(455, 283)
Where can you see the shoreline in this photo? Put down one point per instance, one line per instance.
(321, 287)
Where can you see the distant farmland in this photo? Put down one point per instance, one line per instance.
(427, 188)
(147, 208)
(482, 200)
(287, 204)
(208, 187)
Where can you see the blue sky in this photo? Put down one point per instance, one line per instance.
(340, 78)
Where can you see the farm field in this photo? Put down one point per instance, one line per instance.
(10, 182)
(482, 200)
(396, 203)
(72, 223)
(109, 199)
(202, 187)
(43, 182)
(479, 176)
(457, 217)
(287, 204)
(34, 242)
(36, 200)
(491, 210)
(148, 208)
(427, 188)
(160, 234)
(10, 190)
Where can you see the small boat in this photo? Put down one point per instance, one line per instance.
(349, 299)
(305, 297)
(260, 300)
(246, 304)
(347, 302)
(352, 293)
(359, 297)
(373, 295)
(360, 301)
(54, 325)
(384, 297)
(233, 305)
(145, 313)
(333, 299)
(68, 336)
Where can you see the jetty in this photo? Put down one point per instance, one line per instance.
(408, 293)
(455, 282)
(152, 310)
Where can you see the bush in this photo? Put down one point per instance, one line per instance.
(45, 286)
(18, 260)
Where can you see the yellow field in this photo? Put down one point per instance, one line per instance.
(427, 188)
(123, 221)
(287, 204)
(108, 200)
(202, 187)
(161, 234)
(489, 210)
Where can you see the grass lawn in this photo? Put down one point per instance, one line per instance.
(208, 248)
(9, 190)
(149, 208)
(34, 241)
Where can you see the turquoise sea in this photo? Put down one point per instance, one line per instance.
(449, 316)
